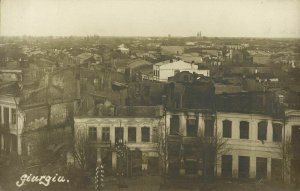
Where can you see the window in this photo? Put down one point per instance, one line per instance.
(209, 128)
(6, 115)
(92, 133)
(227, 128)
(261, 168)
(105, 134)
(191, 128)
(244, 166)
(13, 116)
(227, 166)
(174, 125)
(119, 134)
(0, 115)
(276, 169)
(262, 130)
(277, 132)
(244, 130)
(145, 134)
(132, 134)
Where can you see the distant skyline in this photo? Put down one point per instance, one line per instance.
(213, 18)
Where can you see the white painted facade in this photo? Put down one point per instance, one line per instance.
(165, 69)
(252, 147)
(148, 149)
(13, 118)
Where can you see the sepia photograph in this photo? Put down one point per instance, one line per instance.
(150, 95)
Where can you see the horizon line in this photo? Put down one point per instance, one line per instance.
(142, 36)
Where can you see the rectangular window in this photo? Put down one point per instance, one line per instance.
(277, 132)
(227, 166)
(261, 168)
(227, 128)
(209, 128)
(105, 134)
(174, 125)
(132, 134)
(13, 116)
(119, 134)
(276, 169)
(191, 127)
(244, 130)
(92, 134)
(145, 134)
(262, 130)
(244, 166)
(6, 115)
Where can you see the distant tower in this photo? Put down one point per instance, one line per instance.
(169, 35)
(199, 35)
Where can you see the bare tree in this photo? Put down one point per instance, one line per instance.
(286, 152)
(80, 149)
(210, 150)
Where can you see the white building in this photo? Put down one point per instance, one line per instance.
(139, 133)
(163, 70)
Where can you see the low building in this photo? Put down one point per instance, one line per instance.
(163, 70)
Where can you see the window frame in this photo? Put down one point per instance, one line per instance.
(230, 128)
(248, 129)
(143, 138)
(92, 135)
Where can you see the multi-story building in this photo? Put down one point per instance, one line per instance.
(137, 128)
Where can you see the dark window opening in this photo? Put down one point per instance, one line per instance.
(244, 130)
(132, 134)
(277, 132)
(295, 171)
(92, 133)
(209, 128)
(6, 115)
(262, 130)
(191, 128)
(145, 134)
(296, 140)
(119, 134)
(105, 134)
(276, 169)
(227, 128)
(174, 125)
(261, 168)
(227, 166)
(244, 166)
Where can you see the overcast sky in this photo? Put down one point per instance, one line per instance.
(222, 18)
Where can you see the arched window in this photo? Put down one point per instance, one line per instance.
(262, 130)
(244, 130)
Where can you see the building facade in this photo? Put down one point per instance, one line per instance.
(139, 134)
